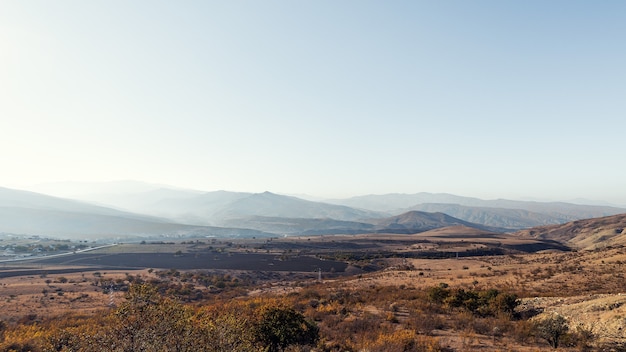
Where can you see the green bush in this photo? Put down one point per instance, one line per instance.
(280, 327)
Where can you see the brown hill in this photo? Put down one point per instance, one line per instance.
(419, 221)
(583, 234)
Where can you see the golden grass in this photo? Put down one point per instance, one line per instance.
(585, 286)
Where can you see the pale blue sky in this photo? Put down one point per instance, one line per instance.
(491, 99)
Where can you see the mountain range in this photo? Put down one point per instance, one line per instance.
(557, 211)
(29, 213)
(138, 209)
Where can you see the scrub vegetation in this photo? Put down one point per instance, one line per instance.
(516, 302)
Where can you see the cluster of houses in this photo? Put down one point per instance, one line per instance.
(23, 250)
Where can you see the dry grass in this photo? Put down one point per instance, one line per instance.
(40, 297)
(584, 286)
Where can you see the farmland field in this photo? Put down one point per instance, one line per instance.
(198, 261)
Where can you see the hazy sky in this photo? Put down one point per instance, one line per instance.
(489, 99)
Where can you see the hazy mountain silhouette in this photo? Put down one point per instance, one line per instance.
(30, 213)
(203, 208)
(495, 217)
(134, 196)
(499, 213)
(273, 205)
(394, 202)
(31, 200)
(290, 215)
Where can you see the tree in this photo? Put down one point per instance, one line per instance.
(552, 329)
(280, 327)
(506, 302)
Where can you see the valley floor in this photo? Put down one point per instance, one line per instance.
(587, 288)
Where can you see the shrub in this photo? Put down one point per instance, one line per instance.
(552, 329)
(280, 327)
(482, 303)
(439, 293)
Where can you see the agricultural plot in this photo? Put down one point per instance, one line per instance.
(198, 261)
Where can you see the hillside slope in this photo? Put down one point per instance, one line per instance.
(584, 234)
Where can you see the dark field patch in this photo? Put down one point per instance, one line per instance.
(38, 272)
(196, 261)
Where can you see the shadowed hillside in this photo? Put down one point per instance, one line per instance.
(418, 221)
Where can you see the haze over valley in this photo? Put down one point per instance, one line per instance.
(319, 176)
(127, 210)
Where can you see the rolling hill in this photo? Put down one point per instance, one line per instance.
(492, 239)
(583, 234)
(419, 221)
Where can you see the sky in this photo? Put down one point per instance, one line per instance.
(490, 99)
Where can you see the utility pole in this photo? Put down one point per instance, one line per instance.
(111, 296)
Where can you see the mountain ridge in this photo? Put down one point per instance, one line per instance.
(520, 214)
(281, 214)
(269, 204)
(513, 219)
